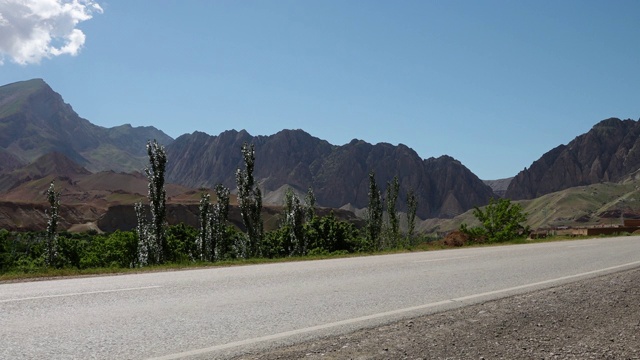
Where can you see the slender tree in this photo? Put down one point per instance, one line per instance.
(250, 201)
(374, 215)
(204, 236)
(294, 219)
(218, 223)
(393, 187)
(153, 234)
(157, 197)
(310, 205)
(412, 207)
(145, 246)
(53, 197)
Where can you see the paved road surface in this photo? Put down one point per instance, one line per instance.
(216, 313)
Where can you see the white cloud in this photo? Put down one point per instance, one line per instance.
(34, 29)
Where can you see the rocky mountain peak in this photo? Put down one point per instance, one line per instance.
(35, 120)
(337, 174)
(608, 152)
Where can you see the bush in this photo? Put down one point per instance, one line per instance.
(181, 243)
(500, 221)
(118, 249)
(21, 250)
(332, 235)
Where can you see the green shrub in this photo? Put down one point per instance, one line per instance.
(181, 243)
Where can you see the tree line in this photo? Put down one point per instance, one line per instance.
(153, 242)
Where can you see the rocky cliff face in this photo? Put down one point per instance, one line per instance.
(455, 189)
(35, 120)
(337, 174)
(610, 151)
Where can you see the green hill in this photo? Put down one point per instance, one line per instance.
(592, 205)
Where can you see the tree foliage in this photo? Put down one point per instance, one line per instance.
(204, 236)
(294, 220)
(500, 221)
(152, 233)
(393, 224)
(250, 201)
(53, 197)
(374, 215)
(219, 242)
(213, 225)
(153, 241)
(412, 207)
(310, 205)
(323, 236)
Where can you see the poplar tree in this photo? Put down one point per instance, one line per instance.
(204, 236)
(157, 197)
(152, 235)
(218, 223)
(392, 197)
(250, 201)
(310, 205)
(412, 207)
(294, 217)
(53, 197)
(144, 244)
(374, 215)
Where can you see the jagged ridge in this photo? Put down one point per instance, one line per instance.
(610, 151)
(34, 120)
(337, 174)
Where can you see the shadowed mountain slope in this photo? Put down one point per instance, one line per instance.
(337, 174)
(609, 152)
(34, 120)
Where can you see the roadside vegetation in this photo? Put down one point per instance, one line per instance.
(500, 221)
(156, 245)
(302, 235)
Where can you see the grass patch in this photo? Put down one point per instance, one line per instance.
(38, 274)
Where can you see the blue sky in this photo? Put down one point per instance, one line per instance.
(495, 84)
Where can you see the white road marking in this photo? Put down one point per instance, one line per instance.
(442, 259)
(379, 315)
(80, 293)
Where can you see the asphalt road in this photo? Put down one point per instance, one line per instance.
(220, 312)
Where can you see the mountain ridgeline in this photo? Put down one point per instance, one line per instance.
(337, 174)
(34, 120)
(609, 152)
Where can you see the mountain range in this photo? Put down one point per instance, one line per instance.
(338, 175)
(42, 139)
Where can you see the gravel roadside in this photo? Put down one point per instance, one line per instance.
(596, 318)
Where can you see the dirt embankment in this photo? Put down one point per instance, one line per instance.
(596, 318)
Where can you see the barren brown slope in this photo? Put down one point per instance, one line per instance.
(105, 199)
